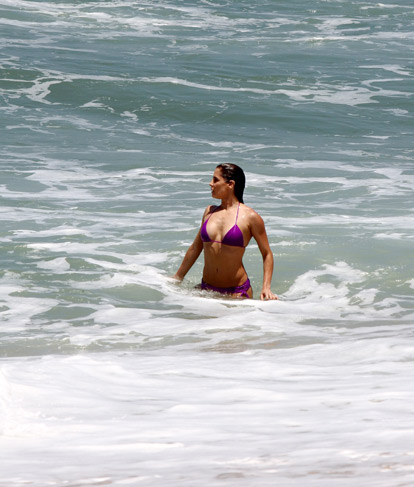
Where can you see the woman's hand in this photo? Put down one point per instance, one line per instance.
(267, 294)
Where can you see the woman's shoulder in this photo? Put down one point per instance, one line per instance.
(251, 215)
(209, 210)
(249, 211)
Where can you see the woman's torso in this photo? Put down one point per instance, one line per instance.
(225, 233)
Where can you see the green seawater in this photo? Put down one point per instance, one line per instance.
(113, 117)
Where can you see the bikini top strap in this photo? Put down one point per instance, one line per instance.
(237, 215)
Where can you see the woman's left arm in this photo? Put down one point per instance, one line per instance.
(260, 235)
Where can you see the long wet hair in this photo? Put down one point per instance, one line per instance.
(231, 172)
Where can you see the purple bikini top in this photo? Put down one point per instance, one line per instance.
(233, 237)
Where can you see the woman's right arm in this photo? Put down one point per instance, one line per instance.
(190, 257)
(192, 253)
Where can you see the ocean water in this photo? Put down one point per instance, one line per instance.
(113, 116)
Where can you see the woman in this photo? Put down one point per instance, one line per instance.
(224, 234)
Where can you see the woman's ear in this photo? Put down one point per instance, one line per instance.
(232, 183)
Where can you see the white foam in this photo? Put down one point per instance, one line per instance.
(19, 309)
(324, 93)
(39, 88)
(147, 276)
(394, 68)
(130, 115)
(57, 265)
(398, 112)
(170, 409)
(64, 230)
(394, 236)
(72, 248)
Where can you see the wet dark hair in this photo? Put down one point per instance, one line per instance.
(231, 172)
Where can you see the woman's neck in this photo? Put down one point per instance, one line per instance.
(229, 202)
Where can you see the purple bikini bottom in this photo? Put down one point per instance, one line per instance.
(242, 290)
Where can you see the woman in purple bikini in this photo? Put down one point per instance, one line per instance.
(224, 234)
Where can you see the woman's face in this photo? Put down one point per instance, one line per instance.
(220, 188)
